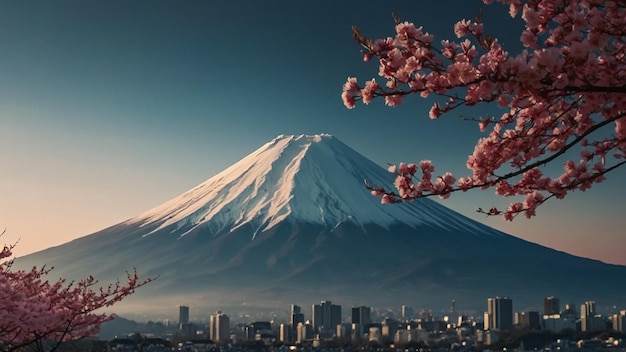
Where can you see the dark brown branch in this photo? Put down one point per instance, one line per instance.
(561, 151)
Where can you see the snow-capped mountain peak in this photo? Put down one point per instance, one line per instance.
(309, 178)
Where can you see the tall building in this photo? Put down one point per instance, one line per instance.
(335, 317)
(316, 317)
(183, 315)
(619, 321)
(325, 317)
(589, 320)
(304, 332)
(296, 316)
(223, 328)
(499, 313)
(587, 309)
(407, 313)
(219, 327)
(362, 315)
(551, 305)
(284, 333)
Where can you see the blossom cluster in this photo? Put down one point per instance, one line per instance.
(33, 309)
(559, 94)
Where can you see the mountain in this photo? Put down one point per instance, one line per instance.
(293, 223)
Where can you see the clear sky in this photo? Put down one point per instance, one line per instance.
(108, 108)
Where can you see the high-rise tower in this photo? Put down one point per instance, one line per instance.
(296, 316)
(325, 317)
(587, 309)
(219, 327)
(407, 313)
(183, 315)
(499, 313)
(361, 315)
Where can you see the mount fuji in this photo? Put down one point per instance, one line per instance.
(293, 223)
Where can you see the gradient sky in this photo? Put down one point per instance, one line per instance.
(108, 108)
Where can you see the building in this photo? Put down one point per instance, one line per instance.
(223, 328)
(285, 333)
(187, 330)
(593, 323)
(183, 315)
(499, 315)
(316, 317)
(551, 305)
(212, 327)
(487, 337)
(589, 320)
(528, 319)
(407, 313)
(296, 316)
(558, 323)
(357, 332)
(361, 318)
(361, 315)
(325, 317)
(304, 332)
(219, 327)
(375, 334)
(344, 331)
(619, 321)
(587, 309)
(335, 317)
(452, 315)
(389, 328)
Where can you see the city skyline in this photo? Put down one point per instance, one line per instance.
(111, 109)
(389, 327)
(566, 329)
(495, 311)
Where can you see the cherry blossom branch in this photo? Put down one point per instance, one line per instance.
(567, 84)
(560, 152)
(34, 309)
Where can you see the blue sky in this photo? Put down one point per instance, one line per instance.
(110, 108)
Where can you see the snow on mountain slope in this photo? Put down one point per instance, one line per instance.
(315, 179)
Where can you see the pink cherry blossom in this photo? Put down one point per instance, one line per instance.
(33, 309)
(563, 92)
(435, 111)
(367, 93)
(461, 28)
